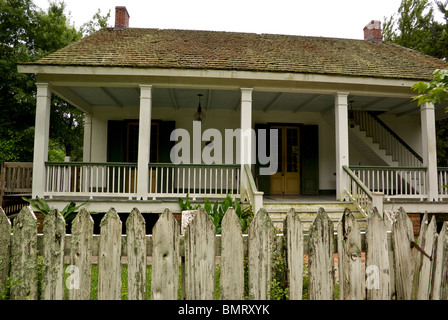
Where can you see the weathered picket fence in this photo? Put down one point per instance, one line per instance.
(395, 267)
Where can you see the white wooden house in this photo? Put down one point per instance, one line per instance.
(347, 125)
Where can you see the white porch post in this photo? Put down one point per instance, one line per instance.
(87, 146)
(428, 123)
(246, 135)
(342, 159)
(144, 139)
(41, 137)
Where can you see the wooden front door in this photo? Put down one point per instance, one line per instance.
(287, 178)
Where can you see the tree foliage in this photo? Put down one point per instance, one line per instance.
(27, 34)
(414, 26)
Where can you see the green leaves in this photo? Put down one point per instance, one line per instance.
(434, 91)
(217, 211)
(69, 212)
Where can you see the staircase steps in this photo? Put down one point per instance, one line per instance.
(307, 213)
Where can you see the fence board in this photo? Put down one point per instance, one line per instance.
(440, 278)
(261, 249)
(199, 241)
(423, 264)
(5, 248)
(293, 231)
(24, 256)
(402, 235)
(232, 258)
(165, 261)
(81, 242)
(378, 268)
(349, 258)
(53, 256)
(109, 266)
(321, 259)
(136, 247)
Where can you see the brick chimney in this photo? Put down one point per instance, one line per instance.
(372, 31)
(121, 18)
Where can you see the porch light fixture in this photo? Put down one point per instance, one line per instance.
(199, 115)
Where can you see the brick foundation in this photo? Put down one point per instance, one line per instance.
(415, 218)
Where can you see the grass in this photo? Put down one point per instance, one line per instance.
(4, 294)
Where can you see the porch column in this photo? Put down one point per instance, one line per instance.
(144, 139)
(87, 146)
(342, 159)
(429, 144)
(246, 136)
(41, 137)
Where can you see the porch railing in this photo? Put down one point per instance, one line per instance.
(120, 180)
(178, 180)
(387, 139)
(443, 182)
(394, 182)
(91, 179)
(358, 192)
(254, 196)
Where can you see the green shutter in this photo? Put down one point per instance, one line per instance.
(309, 164)
(116, 135)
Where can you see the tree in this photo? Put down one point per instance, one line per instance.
(415, 27)
(28, 33)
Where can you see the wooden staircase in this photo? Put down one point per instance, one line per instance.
(308, 211)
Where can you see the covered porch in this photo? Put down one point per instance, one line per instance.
(322, 128)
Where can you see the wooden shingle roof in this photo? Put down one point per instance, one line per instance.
(187, 49)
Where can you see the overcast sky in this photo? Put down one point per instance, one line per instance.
(326, 18)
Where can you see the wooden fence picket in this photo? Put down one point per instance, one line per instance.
(5, 249)
(53, 256)
(199, 242)
(293, 232)
(420, 270)
(349, 258)
(136, 251)
(109, 256)
(261, 249)
(402, 235)
(378, 269)
(165, 258)
(80, 270)
(321, 259)
(24, 268)
(232, 258)
(440, 279)
(424, 264)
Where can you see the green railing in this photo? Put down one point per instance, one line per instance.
(197, 180)
(358, 192)
(394, 182)
(91, 179)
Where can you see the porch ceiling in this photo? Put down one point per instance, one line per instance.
(176, 98)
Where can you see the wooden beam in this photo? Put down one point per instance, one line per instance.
(274, 101)
(71, 97)
(174, 99)
(110, 95)
(307, 102)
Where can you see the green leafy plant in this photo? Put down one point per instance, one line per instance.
(187, 204)
(69, 212)
(217, 212)
(278, 285)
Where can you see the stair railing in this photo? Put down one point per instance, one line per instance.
(358, 192)
(387, 139)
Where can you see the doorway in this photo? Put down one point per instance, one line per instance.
(287, 178)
